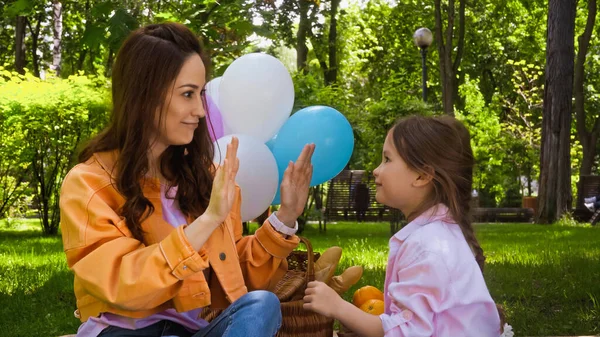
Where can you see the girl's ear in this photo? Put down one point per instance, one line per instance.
(425, 177)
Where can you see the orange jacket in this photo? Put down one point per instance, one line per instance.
(116, 273)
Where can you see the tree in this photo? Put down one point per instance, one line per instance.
(14, 165)
(304, 26)
(57, 45)
(444, 39)
(47, 120)
(326, 52)
(588, 138)
(28, 14)
(280, 21)
(331, 69)
(555, 177)
(522, 120)
(20, 44)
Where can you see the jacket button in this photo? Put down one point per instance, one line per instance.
(222, 256)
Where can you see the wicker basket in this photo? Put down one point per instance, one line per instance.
(296, 321)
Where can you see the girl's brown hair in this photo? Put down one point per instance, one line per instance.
(442, 145)
(146, 67)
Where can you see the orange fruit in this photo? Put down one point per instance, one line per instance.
(373, 307)
(366, 293)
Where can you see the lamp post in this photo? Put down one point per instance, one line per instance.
(423, 39)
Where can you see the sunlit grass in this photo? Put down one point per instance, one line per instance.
(546, 277)
(36, 288)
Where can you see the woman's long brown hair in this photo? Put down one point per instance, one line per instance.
(146, 66)
(442, 144)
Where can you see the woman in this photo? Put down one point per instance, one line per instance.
(151, 229)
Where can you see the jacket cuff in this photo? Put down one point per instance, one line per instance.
(273, 242)
(180, 256)
(390, 322)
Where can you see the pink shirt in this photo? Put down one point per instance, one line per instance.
(433, 285)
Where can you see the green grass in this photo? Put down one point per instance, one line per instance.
(36, 288)
(547, 277)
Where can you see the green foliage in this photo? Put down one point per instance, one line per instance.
(377, 118)
(500, 78)
(223, 26)
(376, 45)
(492, 147)
(43, 122)
(568, 220)
(370, 119)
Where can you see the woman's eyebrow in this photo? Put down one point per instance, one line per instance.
(189, 85)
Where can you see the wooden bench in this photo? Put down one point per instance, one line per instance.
(351, 197)
(482, 214)
(588, 186)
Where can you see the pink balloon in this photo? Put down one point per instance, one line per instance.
(214, 119)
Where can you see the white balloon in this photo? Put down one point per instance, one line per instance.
(256, 96)
(212, 89)
(257, 175)
(226, 129)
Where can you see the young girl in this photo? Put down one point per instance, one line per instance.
(151, 229)
(434, 284)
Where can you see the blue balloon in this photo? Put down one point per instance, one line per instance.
(277, 199)
(328, 129)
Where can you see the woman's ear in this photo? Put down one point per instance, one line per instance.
(425, 177)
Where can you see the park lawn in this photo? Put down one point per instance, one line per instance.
(546, 277)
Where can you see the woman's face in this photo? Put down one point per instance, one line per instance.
(185, 105)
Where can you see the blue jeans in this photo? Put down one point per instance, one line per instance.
(256, 314)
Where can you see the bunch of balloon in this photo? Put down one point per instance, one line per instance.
(253, 101)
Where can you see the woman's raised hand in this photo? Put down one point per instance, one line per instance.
(223, 190)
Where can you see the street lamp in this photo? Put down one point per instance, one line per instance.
(423, 39)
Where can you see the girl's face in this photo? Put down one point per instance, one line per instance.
(184, 105)
(398, 186)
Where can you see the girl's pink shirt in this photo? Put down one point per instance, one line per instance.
(433, 285)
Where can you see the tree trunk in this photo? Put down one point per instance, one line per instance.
(444, 54)
(35, 34)
(589, 154)
(458, 77)
(331, 72)
(57, 32)
(91, 61)
(587, 138)
(20, 44)
(81, 59)
(83, 50)
(205, 42)
(444, 39)
(529, 179)
(555, 176)
(111, 57)
(301, 36)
